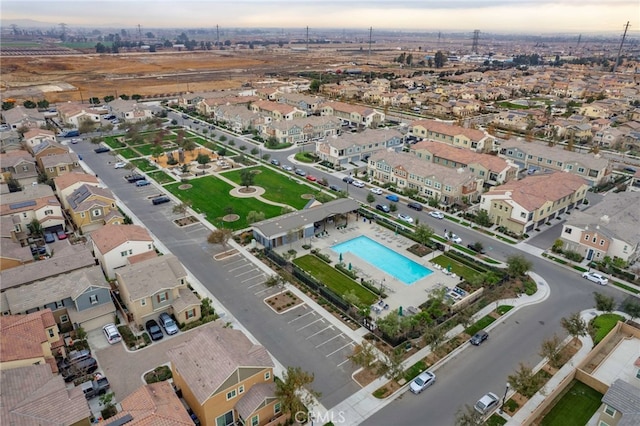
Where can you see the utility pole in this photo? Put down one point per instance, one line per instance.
(476, 37)
(370, 33)
(307, 38)
(217, 35)
(626, 27)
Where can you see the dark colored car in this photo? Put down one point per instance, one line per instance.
(61, 234)
(348, 179)
(154, 329)
(101, 149)
(49, 238)
(79, 369)
(38, 250)
(73, 357)
(96, 387)
(479, 337)
(383, 208)
(275, 162)
(134, 178)
(335, 188)
(414, 205)
(160, 200)
(476, 247)
(300, 172)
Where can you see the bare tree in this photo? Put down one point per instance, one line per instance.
(550, 349)
(575, 325)
(220, 236)
(363, 355)
(182, 208)
(468, 416)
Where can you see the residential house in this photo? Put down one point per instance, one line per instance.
(113, 245)
(208, 106)
(239, 119)
(59, 164)
(10, 141)
(35, 137)
(277, 111)
(534, 157)
(307, 103)
(74, 114)
(354, 147)
(446, 185)
(522, 205)
(268, 93)
(30, 339)
(608, 137)
(239, 385)
(190, 100)
(473, 139)
(153, 404)
(609, 228)
(620, 405)
(129, 110)
(490, 168)
(19, 117)
(79, 298)
(48, 147)
(301, 130)
(19, 165)
(67, 183)
(13, 252)
(157, 285)
(91, 207)
(34, 202)
(31, 395)
(357, 115)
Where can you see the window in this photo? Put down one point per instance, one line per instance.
(64, 318)
(96, 212)
(93, 299)
(610, 410)
(25, 168)
(190, 313)
(48, 212)
(143, 302)
(51, 332)
(255, 421)
(59, 305)
(586, 237)
(277, 408)
(267, 375)
(149, 246)
(63, 168)
(601, 242)
(123, 253)
(82, 214)
(162, 297)
(240, 389)
(567, 230)
(225, 419)
(580, 169)
(638, 374)
(231, 394)
(523, 215)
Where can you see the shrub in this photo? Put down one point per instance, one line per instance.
(572, 255)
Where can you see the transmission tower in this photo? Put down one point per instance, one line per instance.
(307, 38)
(626, 27)
(370, 33)
(63, 28)
(139, 33)
(476, 37)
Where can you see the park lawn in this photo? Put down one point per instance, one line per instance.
(145, 149)
(210, 196)
(457, 268)
(278, 188)
(210, 145)
(161, 177)
(603, 324)
(481, 324)
(575, 408)
(127, 153)
(334, 279)
(144, 165)
(112, 142)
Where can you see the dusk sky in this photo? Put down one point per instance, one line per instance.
(530, 16)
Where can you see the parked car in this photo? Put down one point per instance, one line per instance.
(453, 237)
(300, 172)
(38, 249)
(423, 381)
(120, 165)
(347, 179)
(143, 182)
(111, 333)
(169, 325)
(134, 178)
(414, 205)
(383, 208)
(99, 386)
(596, 278)
(479, 337)
(101, 149)
(49, 238)
(436, 214)
(154, 329)
(275, 162)
(477, 247)
(486, 403)
(79, 369)
(405, 218)
(61, 234)
(393, 197)
(75, 141)
(73, 357)
(312, 178)
(322, 181)
(287, 168)
(160, 200)
(357, 183)
(376, 191)
(335, 188)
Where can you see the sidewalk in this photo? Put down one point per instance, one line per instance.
(362, 404)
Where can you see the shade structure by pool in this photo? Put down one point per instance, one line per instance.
(383, 258)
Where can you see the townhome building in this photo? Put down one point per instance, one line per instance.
(129, 111)
(355, 147)
(35, 137)
(277, 111)
(116, 246)
(48, 147)
(67, 183)
(19, 165)
(208, 106)
(240, 384)
(20, 117)
(491, 169)
(301, 130)
(74, 114)
(307, 103)
(357, 115)
(10, 140)
(406, 171)
(457, 136)
(535, 157)
(58, 164)
(153, 286)
(240, 119)
(609, 228)
(513, 119)
(268, 93)
(91, 207)
(523, 205)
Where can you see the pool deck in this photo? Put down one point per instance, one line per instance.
(399, 294)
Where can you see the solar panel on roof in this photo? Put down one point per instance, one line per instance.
(22, 204)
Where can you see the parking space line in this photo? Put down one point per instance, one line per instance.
(301, 316)
(312, 322)
(246, 272)
(242, 261)
(343, 362)
(256, 284)
(315, 334)
(339, 349)
(327, 341)
(243, 266)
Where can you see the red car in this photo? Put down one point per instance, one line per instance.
(312, 178)
(61, 234)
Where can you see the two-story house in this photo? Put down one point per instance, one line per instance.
(19, 165)
(609, 228)
(238, 118)
(12, 252)
(301, 130)
(67, 183)
(59, 164)
(276, 110)
(357, 115)
(74, 114)
(307, 103)
(20, 117)
(35, 137)
(457, 136)
(354, 147)
(129, 110)
(113, 245)
(91, 207)
(225, 378)
(157, 285)
(10, 140)
(522, 205)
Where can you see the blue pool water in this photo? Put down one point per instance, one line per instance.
(379, 256)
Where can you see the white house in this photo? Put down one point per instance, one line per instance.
(116, 246)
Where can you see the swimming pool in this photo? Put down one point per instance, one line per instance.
(387, 260)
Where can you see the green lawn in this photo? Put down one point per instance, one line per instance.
(495, 420)
(480, 325)
(211, 196)
(456, 267)
(575, 408)
(603, 324)
(112, 142)
(145, 149)
(334, 279)
(144, 165)
(278, 188)
(128, 153)
(161, 177)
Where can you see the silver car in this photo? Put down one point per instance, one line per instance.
(487, 403)
(169, 325)
(423, 381)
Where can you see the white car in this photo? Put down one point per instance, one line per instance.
(596, 278)
(376, 191)
(436, 214)
(111, 333)
(453, 237)
(487, 403)
(423, 381)
(120, 165)
(405, 218)
(358, 183)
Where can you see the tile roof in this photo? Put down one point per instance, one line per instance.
(110, 236)
(137, 258)
(33, 396)
(48, 143)
(32, 197)
(254, 398)
(38, 132)
(449, 129)
(349, 108)
(22, 336)
(214, 353)
(624, 397)
(460, 155)
(13, 158)
(68, 179)
(10, 249)
(86, 192)
(274, 106)
(556, 153)
(146, 278)
(366, 137)
(59, 159)
(312, 120)
(186, 299)
(154, 405)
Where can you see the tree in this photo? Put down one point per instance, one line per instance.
(518, 265)
(632, 307)
(293, 391)
(254, 216)
(423, 234)
(246, 177)
(274, 281)
(43, 104)
(203, 159)
(14, 184)
(182, 208)
(439, 59)
(524, 381)
(36, 228)
(465, 316)
(550, 349)
(315, 86)
(392, 366)
(219, 236)
(483, 219)
(603, 302)
(29, 104)
(109, 409)
(363, 355)
(468, 416)
(435, 337)
(574, 325)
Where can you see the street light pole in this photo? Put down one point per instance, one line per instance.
(504, 398)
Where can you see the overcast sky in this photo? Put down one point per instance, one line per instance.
(530, 16)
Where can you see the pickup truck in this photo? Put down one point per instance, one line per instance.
(98, 386)
(134, 178)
